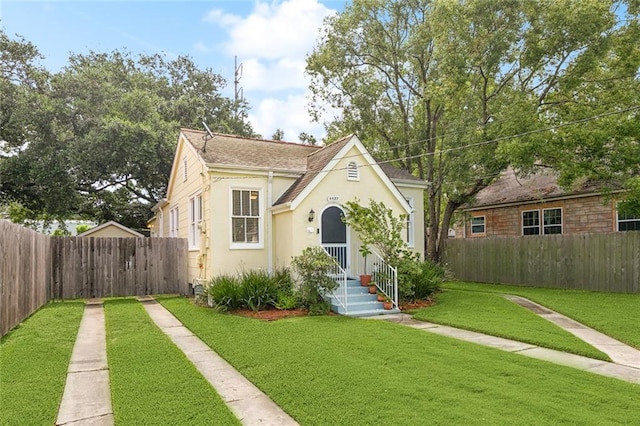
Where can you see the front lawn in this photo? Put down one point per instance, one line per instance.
(614, 314)
(152, 381)
(337, 370)
(34, 358)
(491, 313)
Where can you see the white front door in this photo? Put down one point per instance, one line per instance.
(333, 235)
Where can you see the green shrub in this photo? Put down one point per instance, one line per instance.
(313, 267)
(418, 279)
(225, 292)
(258, 290)
(429, 280)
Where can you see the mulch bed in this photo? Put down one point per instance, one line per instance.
(276, 314)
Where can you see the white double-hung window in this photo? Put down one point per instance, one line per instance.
(195, 217)
(246, 219)
(173, 222)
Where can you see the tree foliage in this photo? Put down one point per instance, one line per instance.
(443, 88)
(97, 138)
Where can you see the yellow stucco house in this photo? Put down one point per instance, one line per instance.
(247, 203)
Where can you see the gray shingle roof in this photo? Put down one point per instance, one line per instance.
(228, 150)
(238, 151)
(509, 188)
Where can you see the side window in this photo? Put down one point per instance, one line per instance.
(552, 221)
(478, 225)
(531, 222)
(245, 216)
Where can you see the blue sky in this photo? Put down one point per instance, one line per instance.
(270, 39)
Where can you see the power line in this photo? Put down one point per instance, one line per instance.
(458, 148)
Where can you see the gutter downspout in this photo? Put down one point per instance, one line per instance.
(270, 223)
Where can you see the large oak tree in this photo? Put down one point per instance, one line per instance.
(97, 138)
(444, 88)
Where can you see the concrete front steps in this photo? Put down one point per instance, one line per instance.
(359, 302)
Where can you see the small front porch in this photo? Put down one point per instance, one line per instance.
(351, 298)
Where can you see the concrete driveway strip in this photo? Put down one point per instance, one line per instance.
(87, 398)
(245, 400)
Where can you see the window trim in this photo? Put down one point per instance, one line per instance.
(484, 225)
(195, 219)
(411, 226)
(542, 224)
(541, 227)
(523, 227)
(618, 221)
(174, 221)
(247, 245)
(353, 171)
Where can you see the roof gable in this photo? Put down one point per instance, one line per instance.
(325, 161)
(111, 224)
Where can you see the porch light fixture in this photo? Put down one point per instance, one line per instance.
(312, 215)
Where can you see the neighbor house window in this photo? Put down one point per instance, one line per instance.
(173, 222)
(195, 217)
(352, 171)
(477, 225)
(245, 216)
(551, 222)
(531, 222)
(410, 224)
(628, 222)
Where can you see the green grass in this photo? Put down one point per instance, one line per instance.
(337, 370)
(614, 314)
(491, 313)
(152, 382)
(33, 364)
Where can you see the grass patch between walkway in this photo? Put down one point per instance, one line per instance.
(152, 382)
(34, 358)
(337, 370)
(614, 314)
(492, 314)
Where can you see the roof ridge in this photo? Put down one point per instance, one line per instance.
(342, 139)
(227, 135)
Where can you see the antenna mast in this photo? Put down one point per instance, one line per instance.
(238, 93)
(206, 137)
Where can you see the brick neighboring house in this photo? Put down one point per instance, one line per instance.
(537, 205)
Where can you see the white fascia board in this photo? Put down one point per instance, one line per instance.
(353, 142)
(184, 144)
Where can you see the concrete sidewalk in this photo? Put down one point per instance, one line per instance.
(245, 400)
(87, 397)
(609, 369)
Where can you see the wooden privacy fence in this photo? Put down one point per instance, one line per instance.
(25, 273)
(36, 268)
(101, 267)
(598, 262)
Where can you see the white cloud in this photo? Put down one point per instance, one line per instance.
(272, 43)
(218, 16)
(277, 30)
(283, 74)
(288, 114)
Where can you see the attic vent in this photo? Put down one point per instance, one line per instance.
(352, 171)
(184, 169)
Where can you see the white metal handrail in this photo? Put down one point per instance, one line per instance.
(339, 275)
(382, 274)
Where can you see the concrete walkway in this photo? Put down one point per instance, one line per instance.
(87, 397)
(626, 369)
(617, 351)
(245, 400)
